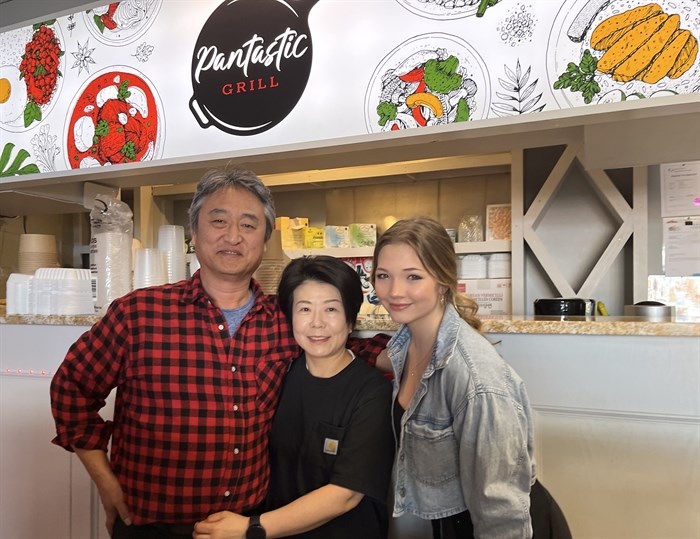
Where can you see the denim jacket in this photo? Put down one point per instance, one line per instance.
(467, 439)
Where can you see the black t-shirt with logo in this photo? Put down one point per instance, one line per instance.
(335, 430)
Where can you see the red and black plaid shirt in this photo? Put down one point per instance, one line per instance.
(193, 407)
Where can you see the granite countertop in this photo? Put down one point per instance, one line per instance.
(547, 325)
(572, 325)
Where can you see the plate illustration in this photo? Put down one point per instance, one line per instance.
(116, 117)
(636, 49)
(121, 23)
(430, 79)
(32, 64)
(453, 9)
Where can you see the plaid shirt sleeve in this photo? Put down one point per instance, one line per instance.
(82, 383)
(369, 348)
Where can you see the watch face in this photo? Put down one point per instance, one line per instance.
(255, 532)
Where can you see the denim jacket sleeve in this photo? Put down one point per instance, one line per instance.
(495, 465)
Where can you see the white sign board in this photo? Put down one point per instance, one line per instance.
(680, 189)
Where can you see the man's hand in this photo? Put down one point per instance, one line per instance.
(111, 494)
(112, 498)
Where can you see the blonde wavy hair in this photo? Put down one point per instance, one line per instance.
(429, 239)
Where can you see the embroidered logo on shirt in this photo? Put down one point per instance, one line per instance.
(330, 446)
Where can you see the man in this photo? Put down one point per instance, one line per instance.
(198, 366)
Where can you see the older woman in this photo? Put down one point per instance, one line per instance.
(331, 443)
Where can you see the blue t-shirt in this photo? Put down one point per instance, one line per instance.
(234, 317)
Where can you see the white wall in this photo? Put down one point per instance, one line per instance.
(617, 429)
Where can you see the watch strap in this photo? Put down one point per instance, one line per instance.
(255, 529)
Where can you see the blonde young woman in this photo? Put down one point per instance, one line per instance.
(461, 415)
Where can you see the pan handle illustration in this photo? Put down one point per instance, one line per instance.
(199, 114)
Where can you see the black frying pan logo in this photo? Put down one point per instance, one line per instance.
(251, 64)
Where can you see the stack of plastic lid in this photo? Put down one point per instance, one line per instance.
(52, 291)
(472, 267)
(63, 291)
(36, 251)
(20, 294)
(499, 266)
(171, 241)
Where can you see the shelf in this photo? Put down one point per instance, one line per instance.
(338, 252)
(492, 246)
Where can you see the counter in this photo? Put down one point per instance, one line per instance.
(544, 325)
(615, 401)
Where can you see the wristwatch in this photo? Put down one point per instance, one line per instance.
(255, 529)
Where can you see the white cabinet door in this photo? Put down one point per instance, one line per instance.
(44, 490)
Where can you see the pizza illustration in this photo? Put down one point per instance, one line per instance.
(116, 118)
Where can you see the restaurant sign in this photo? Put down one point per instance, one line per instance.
(251, 64)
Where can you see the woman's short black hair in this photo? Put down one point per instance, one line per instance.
(323, 269)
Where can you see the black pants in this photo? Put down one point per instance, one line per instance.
(548, 521)
(162, 531)
(151, 531)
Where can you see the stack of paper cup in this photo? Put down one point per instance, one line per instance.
(171, 241)
(111, 266)
(149, 268)
(36, 251)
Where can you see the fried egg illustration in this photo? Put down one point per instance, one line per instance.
(13, 94)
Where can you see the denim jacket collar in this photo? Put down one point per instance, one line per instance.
(444, 346)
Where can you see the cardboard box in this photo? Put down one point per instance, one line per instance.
(313, 237)
(292, 231)
(363, 235)
(492, 295)
(498, 222)
(336, 236)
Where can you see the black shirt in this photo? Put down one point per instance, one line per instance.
(335, 430)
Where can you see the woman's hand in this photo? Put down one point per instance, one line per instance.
(222, 525)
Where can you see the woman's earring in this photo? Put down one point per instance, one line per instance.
(442, 300)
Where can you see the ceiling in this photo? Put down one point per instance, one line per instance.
(16, 13)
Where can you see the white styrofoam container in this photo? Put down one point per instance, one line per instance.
(499, 266)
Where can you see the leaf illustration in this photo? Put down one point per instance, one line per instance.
(509, 109)
(519, 92)
(16, 167)
(527, 92)
(32, 112)
(580, 78)
(508, 86)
